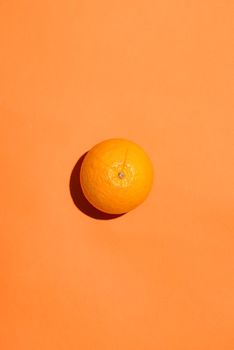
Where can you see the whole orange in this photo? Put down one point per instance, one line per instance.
(116, 176)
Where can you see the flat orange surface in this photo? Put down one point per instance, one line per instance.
(160, 73)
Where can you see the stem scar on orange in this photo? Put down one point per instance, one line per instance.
(116, 176)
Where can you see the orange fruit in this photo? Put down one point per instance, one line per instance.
(116, 176)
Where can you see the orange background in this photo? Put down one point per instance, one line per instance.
(73, 73)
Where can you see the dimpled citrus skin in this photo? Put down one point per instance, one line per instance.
(116, 176)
